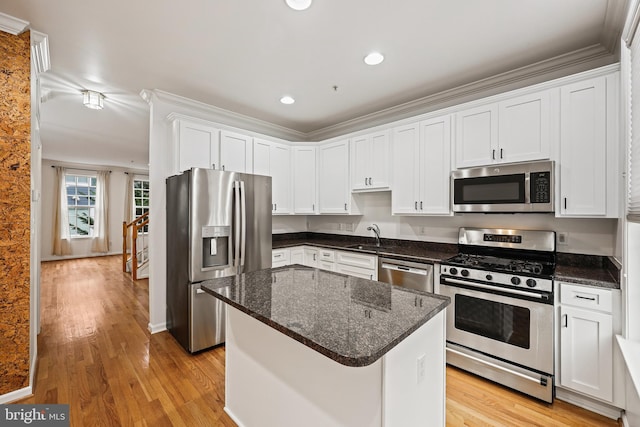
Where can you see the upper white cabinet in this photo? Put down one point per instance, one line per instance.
(304, 180)
(198, 145)
(370, 162)
(236, 152)
(274, 160)
(421, 167)
(588, 162)
(513, 130)
(333, 178)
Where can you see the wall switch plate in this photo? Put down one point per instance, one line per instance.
(563, 238)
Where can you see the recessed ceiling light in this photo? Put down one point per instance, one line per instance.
(287, 100)
(298, 4)
(374, 58)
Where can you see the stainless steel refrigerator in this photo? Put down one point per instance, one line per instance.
(218, 224)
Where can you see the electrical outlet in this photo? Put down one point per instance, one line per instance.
(563, 238)
(420, 362)
(349, 226)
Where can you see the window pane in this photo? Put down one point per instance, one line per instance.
(137, 193)
(71, 190)
(145, 193)
(83, 180)
(139, 212)
(145, 185)
(145, 202)
(92, 200)
(137, 184)
(94, 181)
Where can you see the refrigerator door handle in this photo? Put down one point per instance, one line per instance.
(243, 223)
(236, 224)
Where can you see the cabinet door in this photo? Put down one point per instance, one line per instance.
(304, 180)
(379, 164)
(477, 136)
(405, 152)
(261, 157)
(524, 129)
(435, 168)
(197, 146)
(235, 152)
(297, 255)
(586, 352)
(281, 178)
(311, 257)
(280, 257)
(583, 154)
(333, 178)
(360, 161)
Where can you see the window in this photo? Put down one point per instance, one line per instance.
(81, 202)
(141, 199)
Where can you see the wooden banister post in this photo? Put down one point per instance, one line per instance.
(124, 246)
(134, 254)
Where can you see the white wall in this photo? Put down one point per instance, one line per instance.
(81, 247)
(586, 236)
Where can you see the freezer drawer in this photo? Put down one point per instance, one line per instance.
(206, 319)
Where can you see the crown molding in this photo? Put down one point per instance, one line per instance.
(559, 66)
(613, 23)
(40, 52)
(220, 115)
(12, 25)
(631, 23)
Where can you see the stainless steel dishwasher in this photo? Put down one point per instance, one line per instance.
(412, 275)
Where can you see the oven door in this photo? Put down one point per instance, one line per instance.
(509, 328)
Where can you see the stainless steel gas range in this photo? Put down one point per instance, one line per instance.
(500, 322)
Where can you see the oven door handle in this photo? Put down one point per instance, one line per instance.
(492, 288)
(493, 365)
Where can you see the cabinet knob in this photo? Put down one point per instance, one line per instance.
(493, 154)
(345, 206)
(501, 153)
(365, 181)
(416, 205)
(370, 181)
(420, 204)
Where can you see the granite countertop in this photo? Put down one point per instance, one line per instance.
(351, 320)
(590, 270)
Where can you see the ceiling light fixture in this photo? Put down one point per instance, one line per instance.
(287, 100)
(374, 58)
(298, 4)
(92, 99)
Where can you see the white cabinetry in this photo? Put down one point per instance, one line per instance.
(421, 167)
(236, 152)
(356, 264)
(333, 179)
(197, 144)
(370, 162)
(274, 160)
(297, 255)
(304, 180)
(588, 148)
(586, 340)
(280, 257)
(311, 256)
(514, 130)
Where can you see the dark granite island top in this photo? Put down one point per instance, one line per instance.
(350, 320)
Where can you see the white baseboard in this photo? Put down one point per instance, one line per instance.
(233, 417)
(78, 256)
(592, 405)
(16, 395)
(154, 329)
(625, 421)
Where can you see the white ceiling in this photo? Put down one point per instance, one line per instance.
(243, 55)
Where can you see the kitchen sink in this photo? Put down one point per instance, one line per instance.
(373, 248)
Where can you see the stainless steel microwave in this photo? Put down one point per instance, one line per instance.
(519, 187)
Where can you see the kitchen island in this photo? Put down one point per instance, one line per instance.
(318, 348)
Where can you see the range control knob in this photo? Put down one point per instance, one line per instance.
(465, 273)
(453, 271)
(515, 280)
(489, 277)
(531, 283)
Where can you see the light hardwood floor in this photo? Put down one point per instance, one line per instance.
(96, 354)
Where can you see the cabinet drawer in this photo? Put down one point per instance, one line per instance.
(279, 257)
(326, 265)
(586, 297)
(327, 255)
(356, 260)
(363, 273)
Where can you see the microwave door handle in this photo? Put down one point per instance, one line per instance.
(527, 188)
(236, 224)
(243, 224)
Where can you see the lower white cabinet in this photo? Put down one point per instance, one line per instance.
(280, 257)
(345, 262)
(587, 340)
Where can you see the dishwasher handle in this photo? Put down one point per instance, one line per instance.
(405, 268)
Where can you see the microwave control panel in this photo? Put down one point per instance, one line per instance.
(540, 187)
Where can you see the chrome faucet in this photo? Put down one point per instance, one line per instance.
(376, 230)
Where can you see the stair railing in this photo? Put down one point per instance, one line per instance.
(137, 224)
